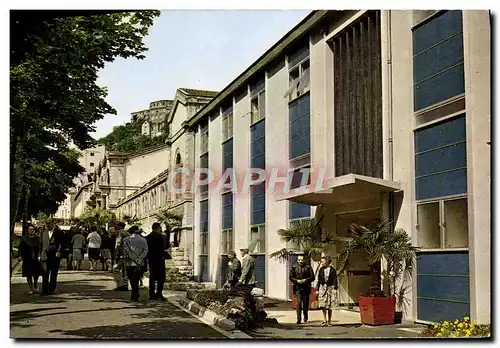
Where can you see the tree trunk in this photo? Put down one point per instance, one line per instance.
(376, 288)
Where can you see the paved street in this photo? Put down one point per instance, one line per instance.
(86, 307)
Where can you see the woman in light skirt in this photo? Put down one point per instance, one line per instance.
(326, 287)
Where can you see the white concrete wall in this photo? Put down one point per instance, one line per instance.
(141, 168)
(402, 124)
(241, 164)
(180, 115)
(215, 202)
(477, 56)
(276, 158)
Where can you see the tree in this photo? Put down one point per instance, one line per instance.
(172, 222)
(97, 218)
(307, 237)
(379, 241)
(128, 138)
(55, 99)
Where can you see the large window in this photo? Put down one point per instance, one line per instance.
(204, 139)
(440, 159)
(297, 178)
(227, 222)
(258, 100)
(299, 72)
(204, 227)
(258, 239)
(227, 123)
(438, 59)
(299, 139)
(443, 224)
(258, 204)
(258, 145)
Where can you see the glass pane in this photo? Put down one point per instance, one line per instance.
(429, 235)
(224, 242)
(456, 227)
(255, 110)
(262, 104)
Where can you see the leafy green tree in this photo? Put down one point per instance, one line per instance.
(172, 222)
(96, 218)
(55, 99)
(128, 138)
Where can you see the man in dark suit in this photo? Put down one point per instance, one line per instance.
(234, 272)
(51, 247)
(248, 278)
(302, 276)
(157, 253)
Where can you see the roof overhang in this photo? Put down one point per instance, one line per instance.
(346, 188)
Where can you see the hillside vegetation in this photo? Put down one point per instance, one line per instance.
(128, 138)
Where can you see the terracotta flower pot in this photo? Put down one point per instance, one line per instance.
(377, 310)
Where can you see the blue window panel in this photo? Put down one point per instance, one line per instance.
(259, 162)
(204, 216)
(435, 310)
(436, 30)
(446, 288)
(227, 153)
(439, 58)
(447, 132)
(453, 263)
(443, 291)
(445, 158)
(260, 271)
(227, 210)
(444, 184)
(299, 127)
(439, 88)
(258, 204)
(299, 210)
(204, 269)
(258, 145)
(298, 55)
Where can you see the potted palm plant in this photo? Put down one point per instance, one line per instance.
(379, 241)
(305, 236)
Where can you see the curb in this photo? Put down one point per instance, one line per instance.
(208, 315)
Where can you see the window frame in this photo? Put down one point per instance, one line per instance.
(293, 84)
(227, 127)
(229, 244)
(260, 243)
(204, 234)
(261, 111)
(442, 222)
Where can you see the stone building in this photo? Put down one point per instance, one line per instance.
(393, 107)
(153, 121)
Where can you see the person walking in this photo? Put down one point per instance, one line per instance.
(302, 276)
(247, 279)
(77, 245)
(234, 271)
(112, 235)
(94, 242)
(50, 256)
(29, 250)
(67, 254)
(157, 253)
(106, 250)
(326, 287)
(119, 270)
(135, 250)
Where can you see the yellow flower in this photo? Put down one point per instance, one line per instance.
(446, 323)
(442, 329)
(467, 332)
(460, 325)
(455, 322)
(466, 318)
(439, 334)
(436, 326)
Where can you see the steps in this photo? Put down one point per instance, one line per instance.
(181, 262)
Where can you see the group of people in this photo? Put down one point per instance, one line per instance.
(302, 278)
(125, 253)
(242, 274)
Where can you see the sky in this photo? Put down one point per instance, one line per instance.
(201, 49)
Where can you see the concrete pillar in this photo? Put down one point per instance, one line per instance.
(477, 62)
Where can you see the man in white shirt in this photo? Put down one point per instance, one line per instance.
(94, 242)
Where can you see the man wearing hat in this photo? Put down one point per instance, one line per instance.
(247, 278)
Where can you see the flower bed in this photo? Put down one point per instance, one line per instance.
(238, 305)
(172, 275)
(457, 329)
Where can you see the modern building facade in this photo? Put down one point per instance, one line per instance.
(390, 112)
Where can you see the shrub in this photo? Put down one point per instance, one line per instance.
(173, 275)
(457, 328)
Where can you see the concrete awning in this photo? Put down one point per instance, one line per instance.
(346, 188)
